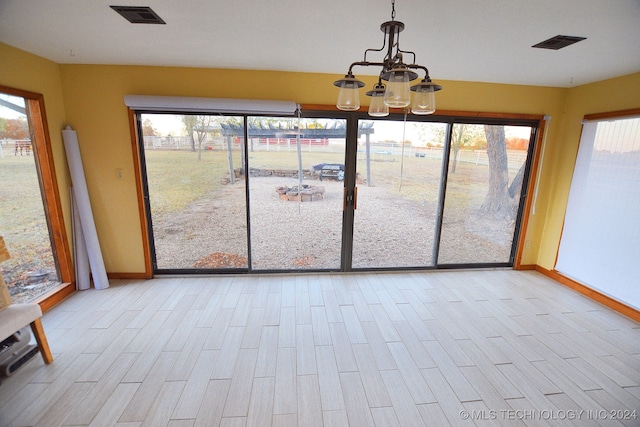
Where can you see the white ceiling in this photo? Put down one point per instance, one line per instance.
(472, 40)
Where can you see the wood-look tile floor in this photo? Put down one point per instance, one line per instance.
(394, 349)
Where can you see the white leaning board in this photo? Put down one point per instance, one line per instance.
(81, 197)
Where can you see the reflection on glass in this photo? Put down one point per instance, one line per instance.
(486, 171)
(196, 185)
(398, 184)
(296, 220)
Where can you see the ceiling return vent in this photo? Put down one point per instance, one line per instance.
(138, 14)
(558, 42)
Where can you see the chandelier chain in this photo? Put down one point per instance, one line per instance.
(393, 10)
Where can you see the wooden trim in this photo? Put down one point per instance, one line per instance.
(49, 182)
(488, 115)
(613, 114)
(129, 276)
(591, 293)
(438, 113)
(20, 92)
(533, 173)
(43, 155)
(323, 107)
(137, 170)
(55, 295)
(521, 267)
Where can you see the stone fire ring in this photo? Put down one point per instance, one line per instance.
(306, 193)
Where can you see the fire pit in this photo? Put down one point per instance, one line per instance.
(304, 193)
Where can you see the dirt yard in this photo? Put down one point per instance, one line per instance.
(388, 231)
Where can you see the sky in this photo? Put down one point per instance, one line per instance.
(8, 113)
(384, 130)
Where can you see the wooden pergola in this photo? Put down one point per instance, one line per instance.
(282, 130)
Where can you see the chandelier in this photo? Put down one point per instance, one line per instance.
(396, 93)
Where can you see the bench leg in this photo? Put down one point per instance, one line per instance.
(41, 339)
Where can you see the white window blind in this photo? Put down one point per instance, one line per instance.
(600, 245)
(209, 105)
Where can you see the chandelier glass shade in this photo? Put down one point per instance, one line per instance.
(397, 75)
(377, 106)
(348, 96)
(424, 99)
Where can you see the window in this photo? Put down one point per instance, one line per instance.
(331, 191)
(33, 229)
(599, 245)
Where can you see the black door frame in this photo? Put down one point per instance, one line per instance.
(352, 121)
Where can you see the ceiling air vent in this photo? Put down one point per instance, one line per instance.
(138, 14)
(558, 42)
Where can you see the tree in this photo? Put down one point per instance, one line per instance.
(463, 135)
(499, 200)
(17, 129)
(148, 129)
(189, 124)
(3, 126)
(197, 128)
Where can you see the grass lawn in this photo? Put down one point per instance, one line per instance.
(177, 178)
(22, 221)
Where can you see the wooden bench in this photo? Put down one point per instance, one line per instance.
(16, 317)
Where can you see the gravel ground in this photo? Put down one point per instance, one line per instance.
(388, 231)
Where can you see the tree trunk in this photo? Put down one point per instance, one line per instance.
(516, 185)
(232, 174)
(497, 199)
(454, 160)
(193, 141)
(456, 142)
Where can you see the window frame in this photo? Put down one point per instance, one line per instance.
(310, 110)
(45, 168)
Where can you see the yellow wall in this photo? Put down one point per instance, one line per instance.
(95, 108)
(90, 99)
(21, 70)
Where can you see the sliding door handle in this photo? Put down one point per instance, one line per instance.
(355, 198)
(344, 199)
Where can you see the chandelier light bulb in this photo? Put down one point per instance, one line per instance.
(377, 107)
(398, 94)
(424, 101)
(348, 96)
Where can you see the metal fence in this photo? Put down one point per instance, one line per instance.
(379, 151)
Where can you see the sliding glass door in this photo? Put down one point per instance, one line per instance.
(197, 170)
(263, 193)
(296, 181)
(399, 172)
(195, 192)
(485, 177)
